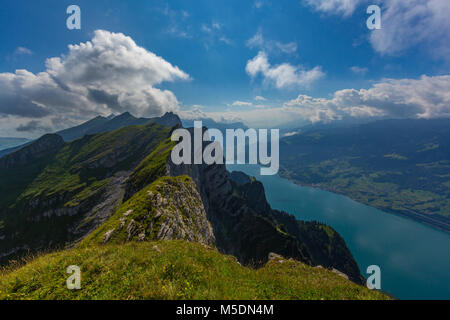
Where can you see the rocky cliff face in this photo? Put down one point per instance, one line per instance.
(167, 209)
(245, 226)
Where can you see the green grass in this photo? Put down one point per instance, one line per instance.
(138, 208)
(175, 270)
(152, 167)
(87, 160)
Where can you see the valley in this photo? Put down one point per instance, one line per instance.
(398, 166)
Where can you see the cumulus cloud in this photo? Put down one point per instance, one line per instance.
(405, 23)
(260, 98)
(108, 74)
(426, 97)
(283, 75)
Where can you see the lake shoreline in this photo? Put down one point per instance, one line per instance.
(418, 217)
(414, 257)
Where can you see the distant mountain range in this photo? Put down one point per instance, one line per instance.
(101, 124)
(105, 124)
(399, 166)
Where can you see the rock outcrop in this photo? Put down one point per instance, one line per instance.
(168, 209)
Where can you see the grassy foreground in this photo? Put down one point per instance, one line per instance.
(171, 270)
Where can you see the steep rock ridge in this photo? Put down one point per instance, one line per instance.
(246, 227)
(88, 127)
(168, 209)
(169, 119)
(327, 248)
(239, 231)
(240, 177)
(54, 193)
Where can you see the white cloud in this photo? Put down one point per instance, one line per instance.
(212, 27)
(343, 7)
(290, 47)
(283, 75)
(242, 104)
(260, 98)
(23, 51)
(426, 97)
(108, 74)
(226, 40)
(290, 134)
(405, 23)
(177, 25)
(359, 70)
(174, 30)
(214, 32)
(259, 42)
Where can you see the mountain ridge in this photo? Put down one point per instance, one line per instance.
(98, 171)
(101, 124)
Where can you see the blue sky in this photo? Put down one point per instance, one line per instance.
(329, 48)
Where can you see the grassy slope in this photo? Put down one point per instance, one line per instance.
(175, 270)
(69, 171)
(151, 168)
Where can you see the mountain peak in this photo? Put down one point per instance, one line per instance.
(169, 119)
(126, 114)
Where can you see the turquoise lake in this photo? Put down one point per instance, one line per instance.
(414, 258)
